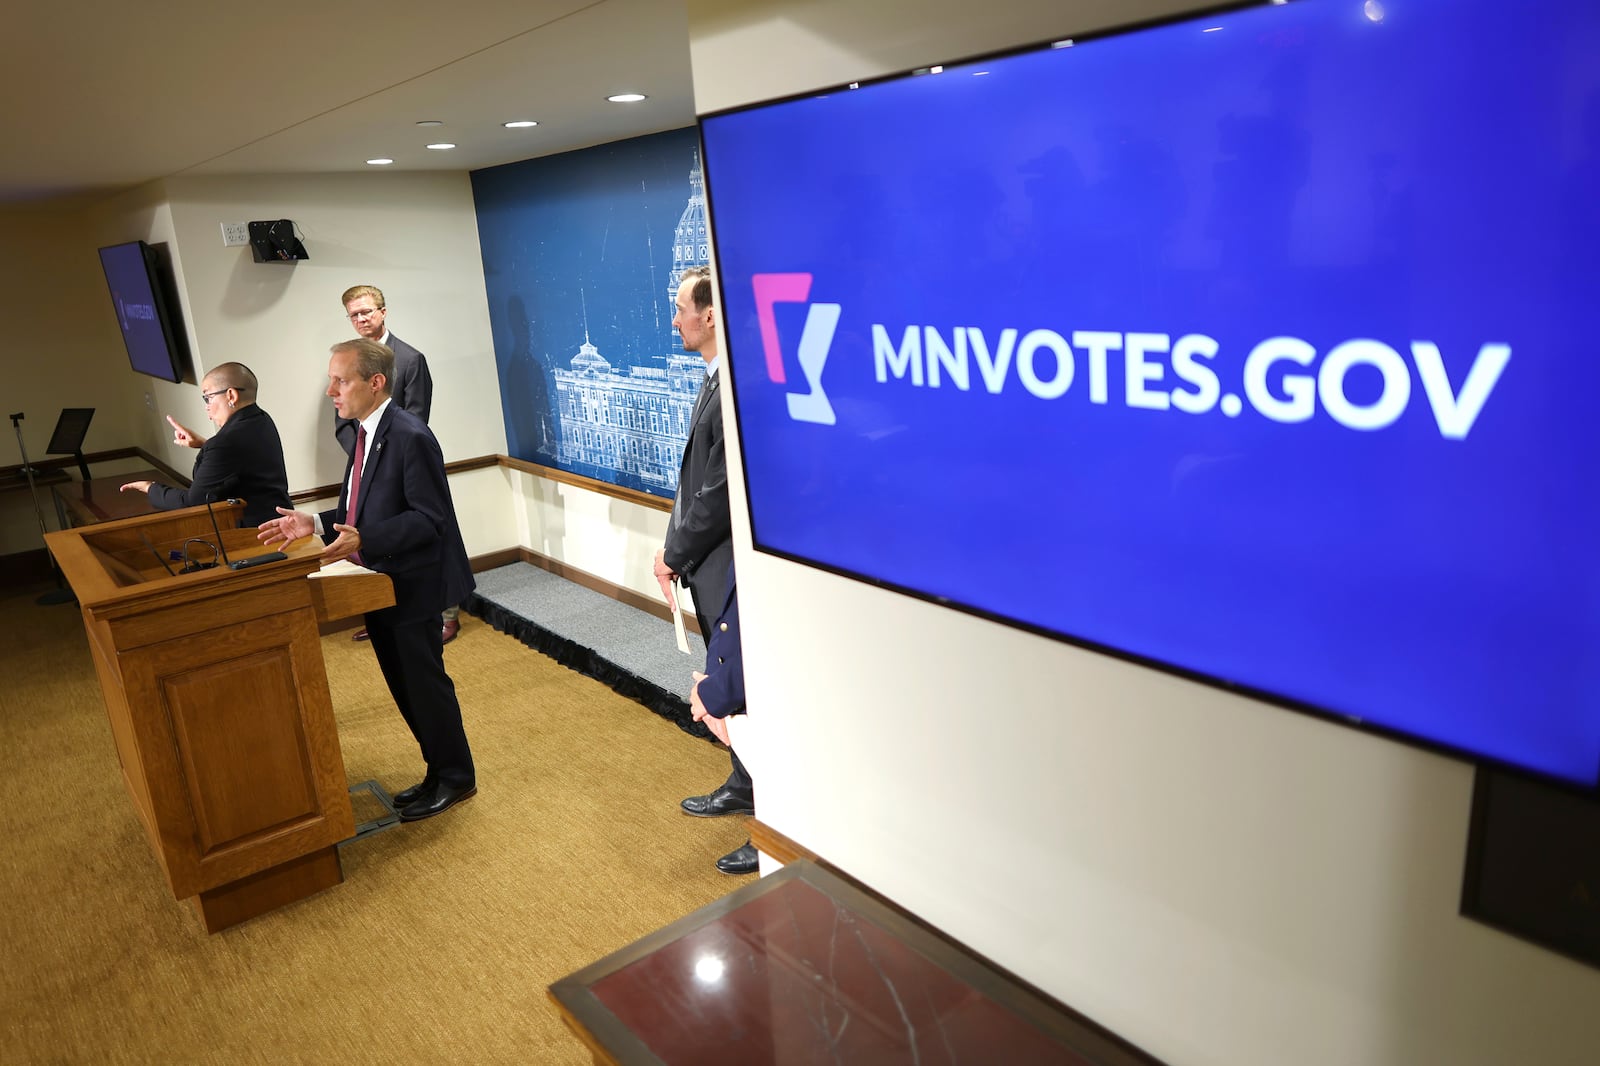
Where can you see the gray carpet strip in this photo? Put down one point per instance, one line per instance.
(631, 651)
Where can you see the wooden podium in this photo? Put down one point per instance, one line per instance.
(218, 699)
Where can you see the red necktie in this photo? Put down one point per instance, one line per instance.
(355, 482)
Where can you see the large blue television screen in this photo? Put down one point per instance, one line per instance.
(1256, 347)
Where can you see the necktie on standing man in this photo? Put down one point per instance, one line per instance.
(359, 461)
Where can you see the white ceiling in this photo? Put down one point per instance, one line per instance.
(104, 95)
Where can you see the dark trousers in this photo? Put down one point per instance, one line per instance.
(739, 779)
(411, 656)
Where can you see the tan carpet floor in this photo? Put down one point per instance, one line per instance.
(439, 945)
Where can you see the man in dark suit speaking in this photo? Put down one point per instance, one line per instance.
(410, 387)
(395, 516)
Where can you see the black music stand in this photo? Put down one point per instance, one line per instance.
(61, 593)
(71, 428)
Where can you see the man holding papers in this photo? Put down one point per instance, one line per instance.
(395, 516)
(699, 545)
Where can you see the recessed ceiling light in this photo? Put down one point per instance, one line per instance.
(627, 98)
(430, 122)
(440, 146)
(379, 162)
(519, 124)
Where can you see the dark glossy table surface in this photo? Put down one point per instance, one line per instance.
(803, 967)
(100, 499)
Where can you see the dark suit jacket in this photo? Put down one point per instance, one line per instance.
(406, 518)
(244, 459)
(722, 691)
(699, 544)
(412, 388)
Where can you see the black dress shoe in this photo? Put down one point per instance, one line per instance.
(741, 860)
(407, 796)
(441, 799)
(723, 801)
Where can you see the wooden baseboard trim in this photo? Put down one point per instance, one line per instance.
(479, 563)
(771, 842)
(489, 561)
(175, 477)
(28, 564)
(326, 492)
(604, 488)
(70, 462)
(460, 466)
(648, 604)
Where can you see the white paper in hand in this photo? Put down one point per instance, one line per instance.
(341, 566)
(677, 626)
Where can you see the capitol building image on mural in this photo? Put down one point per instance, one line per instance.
(631, 425)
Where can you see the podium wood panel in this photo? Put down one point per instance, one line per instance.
(347, 595)
(218, 701)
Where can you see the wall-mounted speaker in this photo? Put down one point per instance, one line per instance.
(274, 241)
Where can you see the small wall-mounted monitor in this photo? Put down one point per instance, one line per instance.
(1251, 347)
(146, 311)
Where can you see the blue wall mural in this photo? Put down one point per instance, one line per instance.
(581, 255)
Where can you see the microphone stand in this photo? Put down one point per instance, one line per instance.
(60, 594)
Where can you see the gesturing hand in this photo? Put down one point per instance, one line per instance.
(183, 436)
(346, 544)
(291, 526)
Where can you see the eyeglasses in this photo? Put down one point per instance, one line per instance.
(209, 396)
(367, 312)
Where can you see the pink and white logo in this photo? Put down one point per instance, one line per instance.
(815, 341)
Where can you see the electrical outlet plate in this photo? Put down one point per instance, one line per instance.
(150, 401)
(235, 234)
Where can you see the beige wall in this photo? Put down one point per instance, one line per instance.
(1219, 881)
(413, 235)
(607, 537)
(61, 349)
